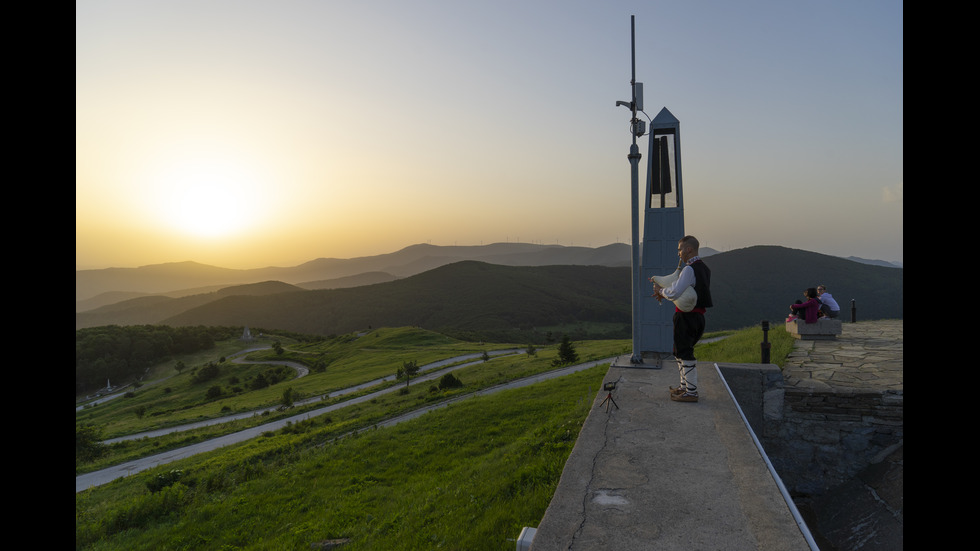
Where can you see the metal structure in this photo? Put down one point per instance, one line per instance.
(663, 227)
(663, 224)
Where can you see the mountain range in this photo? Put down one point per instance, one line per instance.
(501, 290)
(183, 278)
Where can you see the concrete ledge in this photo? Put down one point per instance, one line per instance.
(824, 329)
(651, 473)
(759, 390)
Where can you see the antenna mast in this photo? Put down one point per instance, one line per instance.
(637, 129)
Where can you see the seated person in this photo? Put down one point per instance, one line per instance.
(828, 306)
(793, 313)
(809, 309)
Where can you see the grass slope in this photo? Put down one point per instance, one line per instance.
(468, 476)
(447, 479)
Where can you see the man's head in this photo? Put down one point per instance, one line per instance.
(687, 247)
(821, 289)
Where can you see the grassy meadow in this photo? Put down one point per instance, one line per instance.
(466, 476)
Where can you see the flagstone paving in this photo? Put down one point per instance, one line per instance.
(867, 357)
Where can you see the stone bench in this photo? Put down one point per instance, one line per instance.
(824, 329)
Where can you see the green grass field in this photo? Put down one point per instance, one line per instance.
(466, 476)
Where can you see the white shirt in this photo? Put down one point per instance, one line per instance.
(829, 301)
(684, 280)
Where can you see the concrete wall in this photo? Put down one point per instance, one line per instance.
(826, 438)
(758, 389)
(815, 440)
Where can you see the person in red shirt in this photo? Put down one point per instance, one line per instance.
(810, 309)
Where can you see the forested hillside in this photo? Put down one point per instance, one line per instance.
(469, 300)
(759, 283)
(480, 301)
(104, 354)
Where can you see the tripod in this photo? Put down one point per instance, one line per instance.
(609, 399)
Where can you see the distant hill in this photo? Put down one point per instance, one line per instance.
(368, 278)
(96, 288)
(150, 310)
(756, 283)
(875, 262)
(415, 259)
(466, 297)
(748, 285)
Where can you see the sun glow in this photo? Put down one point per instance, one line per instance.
(208, 196)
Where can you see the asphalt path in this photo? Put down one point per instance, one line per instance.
(104, 476)
(301, 371)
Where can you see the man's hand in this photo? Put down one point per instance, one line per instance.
(657, 290)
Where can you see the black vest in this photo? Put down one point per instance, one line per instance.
(702, 284)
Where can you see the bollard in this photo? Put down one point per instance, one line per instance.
(854, 312)
(766, 345)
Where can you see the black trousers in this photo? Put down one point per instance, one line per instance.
(688, 329)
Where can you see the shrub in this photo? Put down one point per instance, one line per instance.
(259, 382)
(449, 381)
(206, 373)
(88, 443)
(163, 480)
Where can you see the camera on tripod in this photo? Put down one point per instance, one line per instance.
(609, 387)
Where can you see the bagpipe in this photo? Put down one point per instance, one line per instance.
(686, 301)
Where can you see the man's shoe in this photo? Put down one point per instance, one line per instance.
(676, 390)
(685, 397)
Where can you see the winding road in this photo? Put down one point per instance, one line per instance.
(97, 478)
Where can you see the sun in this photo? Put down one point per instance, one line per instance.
(208, 196)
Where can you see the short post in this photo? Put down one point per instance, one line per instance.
(854, 312)
(766, 345)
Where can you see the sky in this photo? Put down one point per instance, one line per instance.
(246, 134)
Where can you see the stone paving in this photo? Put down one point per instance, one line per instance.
(866, 512)
(867, 357)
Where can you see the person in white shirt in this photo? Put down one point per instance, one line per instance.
(688, 326)
(829, 306)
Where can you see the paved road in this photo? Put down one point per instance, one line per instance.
(301, 371)
(97, 478)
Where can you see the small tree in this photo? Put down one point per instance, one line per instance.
(259, 382)
(179, 366)
(287, 398)
(449, 381)
(88, 443)
(566, 353)
(277, 346)
(206, 373)
(407, 370)
(531, 350)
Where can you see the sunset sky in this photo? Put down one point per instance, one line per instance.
(245, 134)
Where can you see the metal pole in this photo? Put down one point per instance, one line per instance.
(766, 345)
(854, 312)
(634, 159)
